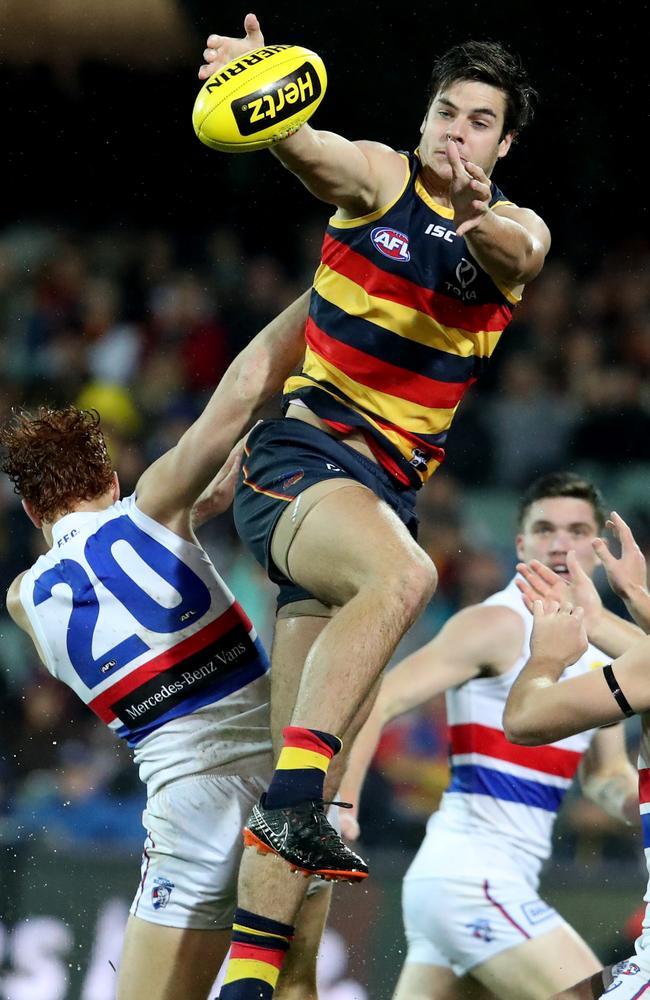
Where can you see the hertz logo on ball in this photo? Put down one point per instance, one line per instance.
(260, 98)
(295, 92)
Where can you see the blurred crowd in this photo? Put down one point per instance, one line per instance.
(141, 325)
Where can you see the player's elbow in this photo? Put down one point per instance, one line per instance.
(519, 729)
(256, 380)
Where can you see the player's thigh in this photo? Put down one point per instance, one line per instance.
(298, 979)
(351, 538)
(419, 981)
(539, 967)
(165, 963)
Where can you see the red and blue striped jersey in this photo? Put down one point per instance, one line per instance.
(139, 624)
(502, 801)
(402, 321)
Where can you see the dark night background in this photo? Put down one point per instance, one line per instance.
(104, 143)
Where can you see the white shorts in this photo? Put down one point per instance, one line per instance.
(461, 923)
(192, 851)
(626, 981)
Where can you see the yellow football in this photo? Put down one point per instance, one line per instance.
(260, 98)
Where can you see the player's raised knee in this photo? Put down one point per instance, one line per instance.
(414, 582)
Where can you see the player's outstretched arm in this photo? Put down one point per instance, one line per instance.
(169, 488)
(474, 639)
(357, 177)
(542, 708)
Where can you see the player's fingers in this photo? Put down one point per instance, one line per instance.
(252, 27)
(526, 588)
(622, 530)
(578, 613)
(454, 157)
(532, 578)
(527, 593)
(576, 571)
(545, 573)
(601, 548)
(538, 608)
(527, 580)
(477, 172)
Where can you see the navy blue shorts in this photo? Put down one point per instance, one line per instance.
(285, 457)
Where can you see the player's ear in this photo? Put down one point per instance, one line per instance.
(519, 547)
(115, 487)
(31, 514)
(505, 144)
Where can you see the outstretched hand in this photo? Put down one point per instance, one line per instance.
(537, 580)
(218, 496)
(629, 571)
(558, 632)
(220, 49)
(470, 191)
(349, 824)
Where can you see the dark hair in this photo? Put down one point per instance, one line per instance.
(488, 62)
(56, 458)
(563, 484)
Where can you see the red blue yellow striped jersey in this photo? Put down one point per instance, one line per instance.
(402, 321)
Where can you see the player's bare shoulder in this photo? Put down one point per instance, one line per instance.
(492, 634)
(384, 159)
(388, 175)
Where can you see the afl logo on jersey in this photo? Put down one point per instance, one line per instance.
(391, 243)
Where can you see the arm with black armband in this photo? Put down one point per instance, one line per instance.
(543, 708)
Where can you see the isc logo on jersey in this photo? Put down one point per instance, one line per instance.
(391, 243)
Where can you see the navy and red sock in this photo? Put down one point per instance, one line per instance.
(302, 766)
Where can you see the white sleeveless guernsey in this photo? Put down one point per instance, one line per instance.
(139, 624)
(497, 814)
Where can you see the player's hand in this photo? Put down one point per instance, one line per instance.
(558, 632)
(349, 823)
(628, 573)
(220, 49)
(470, 191)
(537, 580)
(218, 496)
